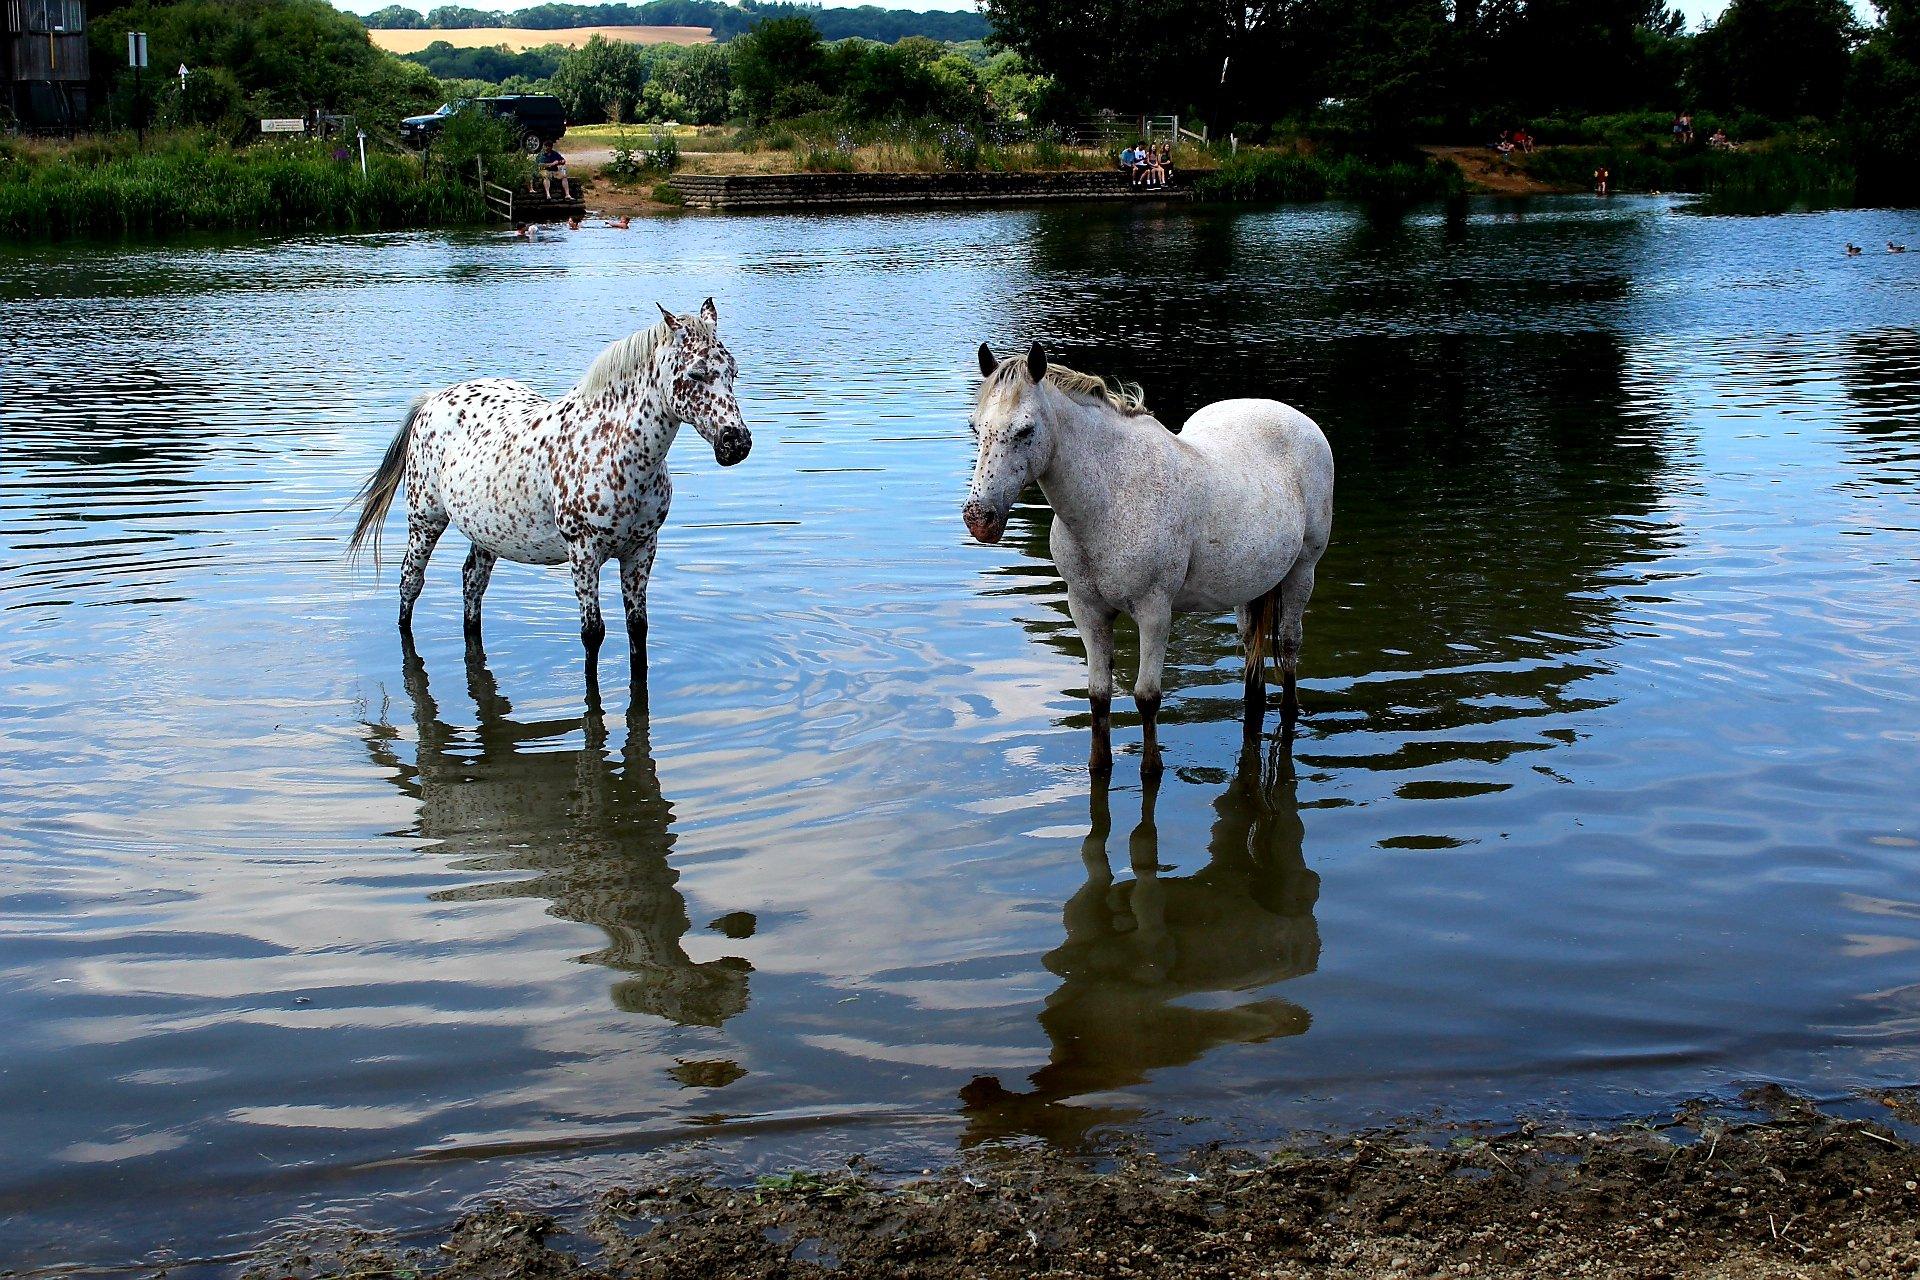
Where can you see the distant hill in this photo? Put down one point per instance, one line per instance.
(870, 22)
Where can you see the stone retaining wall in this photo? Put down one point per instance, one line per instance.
(809, 190)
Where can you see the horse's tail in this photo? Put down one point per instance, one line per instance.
(1266, 627)
(376, 495)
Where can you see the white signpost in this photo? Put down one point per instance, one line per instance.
(137, 59)
(295, 125)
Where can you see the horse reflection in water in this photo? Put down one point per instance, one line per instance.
(1136, 948)
(594, 831)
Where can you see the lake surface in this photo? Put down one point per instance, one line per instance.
(1605, 796)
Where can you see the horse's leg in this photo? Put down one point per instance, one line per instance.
(1295, 590)
(636, 568)
(423, 532)
(1155, 620)
(1256, 682)
(585, 557)
(474, 575)
(1095, 623)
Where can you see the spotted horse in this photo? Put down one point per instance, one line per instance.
(578, 481)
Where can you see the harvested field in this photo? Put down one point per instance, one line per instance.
(516, 39)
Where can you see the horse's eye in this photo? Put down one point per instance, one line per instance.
(1024, 433)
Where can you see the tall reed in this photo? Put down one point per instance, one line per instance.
(187, 184)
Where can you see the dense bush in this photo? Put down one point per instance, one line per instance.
(478, 136)
(1793, 167)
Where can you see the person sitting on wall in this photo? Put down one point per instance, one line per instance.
(1128, 158)
(553, 165)
(1164, 162)
(1142, 163)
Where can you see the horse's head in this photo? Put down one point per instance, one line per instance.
(1014, 445)
(698, 377)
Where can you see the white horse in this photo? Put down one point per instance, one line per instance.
(1232, 513)
(577, 481)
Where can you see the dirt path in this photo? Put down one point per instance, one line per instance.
(1487, 170)
(1797, 1194)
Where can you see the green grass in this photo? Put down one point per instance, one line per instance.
(106, 187)
(1297, 175)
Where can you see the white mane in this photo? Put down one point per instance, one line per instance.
(1122, 397)
(621, 362)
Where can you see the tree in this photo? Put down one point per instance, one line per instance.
(700, 76)
(1097, 51)
(601, 80)
(285, 57)
(1884, 102)
(774, 67)
(1782, 58)
(395, 17)
(1584, 56)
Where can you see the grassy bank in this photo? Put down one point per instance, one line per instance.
(1778, 170)
(1298, 175)
(107, 187)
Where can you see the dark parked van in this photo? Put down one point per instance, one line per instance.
(539, 117)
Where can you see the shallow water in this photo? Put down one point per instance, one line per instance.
(1604, 796)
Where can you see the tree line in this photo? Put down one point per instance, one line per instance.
(1404, 67)
(783, 69)
(864, 22)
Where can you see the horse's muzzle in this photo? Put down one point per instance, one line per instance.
(983, 524)
(730, 449)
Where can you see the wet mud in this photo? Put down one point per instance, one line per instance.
(1776, 1188)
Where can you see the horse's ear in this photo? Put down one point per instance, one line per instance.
(987, 363)
(709, 313)
(673, 321)
(1037, 362)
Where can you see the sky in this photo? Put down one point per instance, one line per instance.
(1697, 11)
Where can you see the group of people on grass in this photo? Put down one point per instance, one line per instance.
(1512, 140)
(1147, 166)
(1683, 134)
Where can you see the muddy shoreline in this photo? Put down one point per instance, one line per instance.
(1773, 1188)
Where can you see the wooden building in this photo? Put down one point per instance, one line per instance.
(43, 62)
